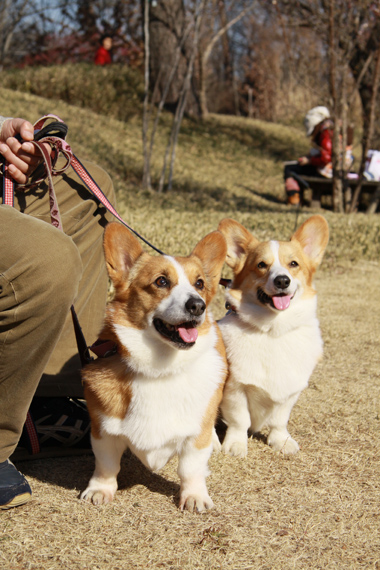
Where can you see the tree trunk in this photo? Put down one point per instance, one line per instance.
(146, 154)
(206, 54)
(337, 190)
(167, 23)
(363, 62)
(368, 134)
(227, 59)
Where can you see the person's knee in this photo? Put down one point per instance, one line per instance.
(59, 268)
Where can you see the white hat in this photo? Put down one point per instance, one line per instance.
(314, 117)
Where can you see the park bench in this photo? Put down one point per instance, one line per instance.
(321, 188)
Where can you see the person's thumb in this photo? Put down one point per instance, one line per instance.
(24, 128)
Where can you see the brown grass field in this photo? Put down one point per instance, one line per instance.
(316, 510)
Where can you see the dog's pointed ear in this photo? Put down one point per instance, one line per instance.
(212, 250)
(313, 236)
(238, 240)
(121, 250)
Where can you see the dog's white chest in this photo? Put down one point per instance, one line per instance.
(279, 365)
(165, 411)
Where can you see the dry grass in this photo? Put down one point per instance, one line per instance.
(319, 509)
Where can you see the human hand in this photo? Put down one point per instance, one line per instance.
(303, 160)
(23, 157)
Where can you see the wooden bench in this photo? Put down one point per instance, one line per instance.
(320, 188)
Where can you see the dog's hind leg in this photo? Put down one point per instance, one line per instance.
(279, 437)
(103, 484)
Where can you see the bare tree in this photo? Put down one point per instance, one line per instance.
(350, 32)
(164, 89)
(367, 139)
(19, 21)
(57, 31)
(208, 50)
(337, 99)
(168, 22)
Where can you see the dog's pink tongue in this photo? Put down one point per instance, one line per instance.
(281, 302)
(188, 335)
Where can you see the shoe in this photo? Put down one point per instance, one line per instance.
(294, 199)
(14, 488)
(292, 190)
(55, 427)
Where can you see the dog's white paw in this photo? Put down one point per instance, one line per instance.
(235, 442)
(286, 445)
(235, 448)
(100, 496)
(195, 503)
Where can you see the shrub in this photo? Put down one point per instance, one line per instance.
(113, 90)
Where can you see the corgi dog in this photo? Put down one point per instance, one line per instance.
(271, 335)
(159, 394)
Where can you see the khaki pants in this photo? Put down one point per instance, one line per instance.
(43, 271)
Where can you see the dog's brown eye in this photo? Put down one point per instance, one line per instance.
(262, 265)
(162, 281)
(200, 284)
(293, 264)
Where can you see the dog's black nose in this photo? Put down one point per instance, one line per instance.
(281, 281)
(195, 306)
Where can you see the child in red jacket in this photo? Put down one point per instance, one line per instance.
(103, 54)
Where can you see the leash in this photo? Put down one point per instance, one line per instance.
(54, 134)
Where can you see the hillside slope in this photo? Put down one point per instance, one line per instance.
(225, 167)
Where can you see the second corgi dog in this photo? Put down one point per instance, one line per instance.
(272, 334)
(160, 393)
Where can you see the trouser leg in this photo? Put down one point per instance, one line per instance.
(40, 270)
(300, 169)
(83, 220)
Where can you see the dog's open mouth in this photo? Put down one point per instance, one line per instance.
(279, 302)
(183, 335)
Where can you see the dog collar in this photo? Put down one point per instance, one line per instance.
(104, 348)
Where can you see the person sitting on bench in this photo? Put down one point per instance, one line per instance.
(317, 162)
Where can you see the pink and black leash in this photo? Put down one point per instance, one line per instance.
(55, 136)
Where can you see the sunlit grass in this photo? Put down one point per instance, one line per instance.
(225, 167)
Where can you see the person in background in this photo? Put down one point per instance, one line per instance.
(43, 271)
(103, 54)
(317, 162)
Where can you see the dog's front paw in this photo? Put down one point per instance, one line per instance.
(286, 445)
(235, 447)
(195, 503)
(235, 442)
(98, 495)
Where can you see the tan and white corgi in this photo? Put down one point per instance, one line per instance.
(272, 334)
(159, 394)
